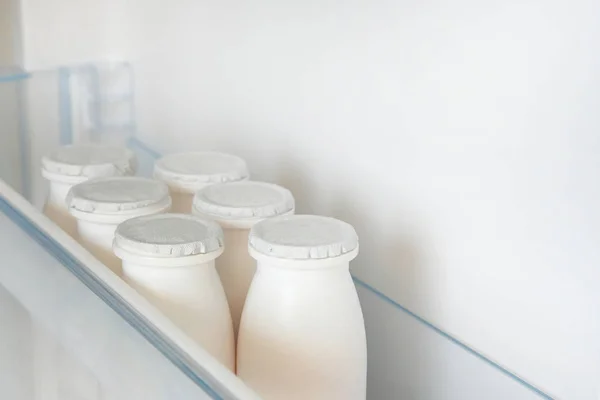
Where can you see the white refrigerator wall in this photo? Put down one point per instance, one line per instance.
(9, 97)
(15, 349)
(460, 138)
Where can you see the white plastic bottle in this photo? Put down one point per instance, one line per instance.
(302, 333)
(237, 206)
(186, 173)
(170, 259)
(100, 205)
(73, 164)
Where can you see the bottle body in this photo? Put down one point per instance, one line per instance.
(237, 207)
(192, 297)
(236, 269)
(56, 207)
(302, 333)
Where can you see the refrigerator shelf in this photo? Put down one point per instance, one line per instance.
(409, 357)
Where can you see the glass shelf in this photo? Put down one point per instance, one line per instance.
(408, 357)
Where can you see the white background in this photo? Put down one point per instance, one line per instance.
(462, 139)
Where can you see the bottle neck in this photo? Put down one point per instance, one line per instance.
(159, 272)
(319, 284)
(57, 194)
(305, 270)
(101, 234)
(177, 283)
(197, 260)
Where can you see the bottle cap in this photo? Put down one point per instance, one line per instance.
(303, 237)
(189, 172)
(118, 195)
(168, 236)
(81, 162)
(246, 200)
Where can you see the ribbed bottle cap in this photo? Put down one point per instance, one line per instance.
(243, 200)
(118, 195)
(189, 172)
(168, 235)
(303, 237)
(90, 161)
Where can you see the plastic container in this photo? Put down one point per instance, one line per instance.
(73, 164)
(170, 259)
(186, 173)
(302, 333)
(237, 206)
(100, 205)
